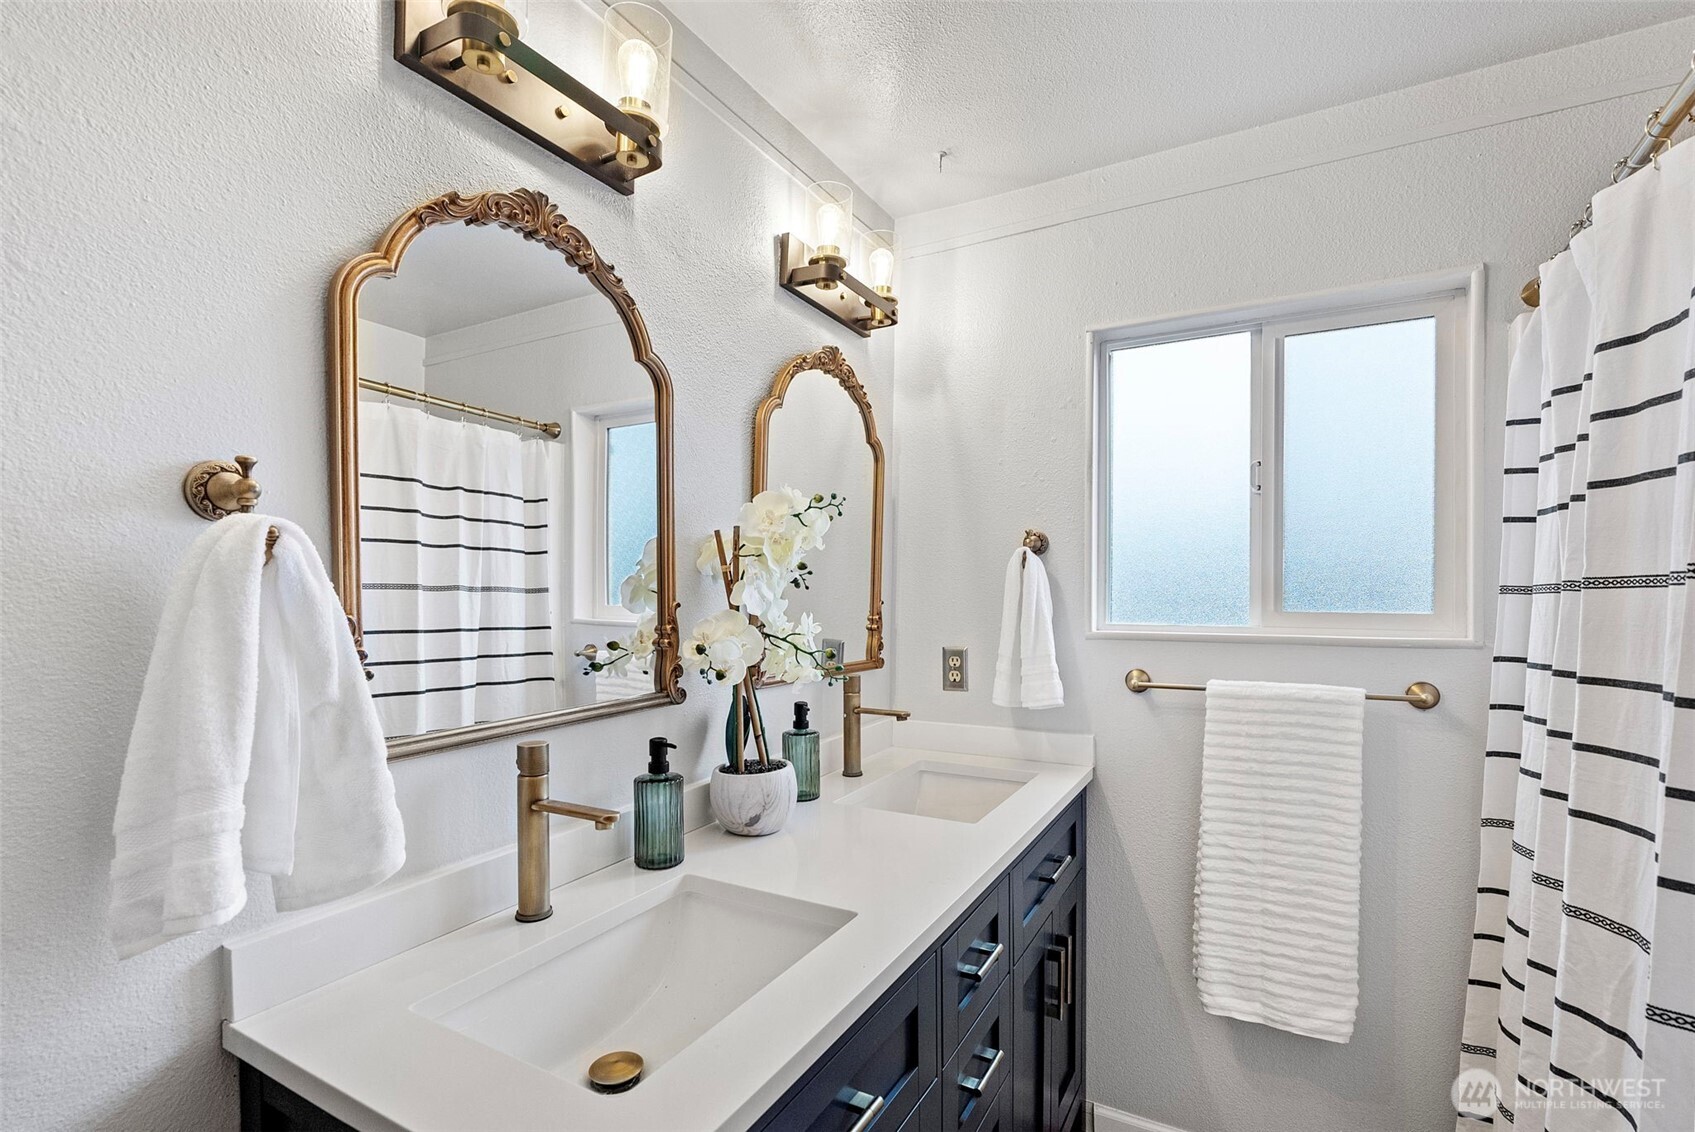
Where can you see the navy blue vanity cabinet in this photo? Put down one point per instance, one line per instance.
(1009, 978)
(1047, 990)
(269, 1107)
(878, 1073)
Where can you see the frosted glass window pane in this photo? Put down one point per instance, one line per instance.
(1179, 511)
(632, 500)
(1359, 469)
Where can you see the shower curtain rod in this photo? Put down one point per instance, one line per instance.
(551, 428)
(1656, 135)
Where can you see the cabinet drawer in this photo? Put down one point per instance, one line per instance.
(878, 1076)
(979, 1067)
(974, 962)
(927, 1117)
(996, 1118)
(1044, 872)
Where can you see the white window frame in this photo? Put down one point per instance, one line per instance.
(590, 508)
(1455, 299)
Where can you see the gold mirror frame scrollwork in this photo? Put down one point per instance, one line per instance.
(531, 215)
(829, 360)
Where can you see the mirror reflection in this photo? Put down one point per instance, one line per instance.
(819, 435)
(507, 483)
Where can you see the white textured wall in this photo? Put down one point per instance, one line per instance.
(181, 181)
(992, 388)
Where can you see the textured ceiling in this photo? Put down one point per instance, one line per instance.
(1024, 91)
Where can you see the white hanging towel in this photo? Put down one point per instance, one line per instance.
(1277, 876)
(1026, 673)
(256, 743)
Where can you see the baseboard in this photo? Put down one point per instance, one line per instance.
(1111, 1120)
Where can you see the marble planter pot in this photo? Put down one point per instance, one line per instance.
(753, 805)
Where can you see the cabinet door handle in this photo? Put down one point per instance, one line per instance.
(1066, 972)
(1055, 1001)
(977, 1086)
(1059, 870)
(981, 971)
(868, 1107)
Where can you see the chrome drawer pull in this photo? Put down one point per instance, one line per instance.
(1059, 870)
(980, 972)
(977, 1086)
(868, 1107)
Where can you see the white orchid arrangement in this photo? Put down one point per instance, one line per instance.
(764, 559)
(777, 528)
(638, 594)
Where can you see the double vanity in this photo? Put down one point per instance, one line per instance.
(907, 954)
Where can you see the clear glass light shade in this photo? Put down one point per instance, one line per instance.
(878, 262)
(829, 218)
(636, 63)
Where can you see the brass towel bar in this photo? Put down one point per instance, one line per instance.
(1421, 695)
(551, 428)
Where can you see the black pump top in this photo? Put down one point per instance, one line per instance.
(802, 708)
(658, 762)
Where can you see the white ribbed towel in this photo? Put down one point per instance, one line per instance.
(256, 745)
(1277, 876)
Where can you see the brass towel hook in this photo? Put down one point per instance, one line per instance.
(215, 488)
(1035, 542)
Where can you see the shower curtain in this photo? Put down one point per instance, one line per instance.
(1581, 998)
(455, 571)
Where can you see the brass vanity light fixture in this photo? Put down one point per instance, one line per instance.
(472, 48)
(814, 263)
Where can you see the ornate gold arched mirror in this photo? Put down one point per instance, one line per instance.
(815, 431)
(503, 489)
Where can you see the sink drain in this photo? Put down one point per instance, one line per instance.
(616, 1071)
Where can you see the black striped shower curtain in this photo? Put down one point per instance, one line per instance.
(456, 575)
(1580, 1007)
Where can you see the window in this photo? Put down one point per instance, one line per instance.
(1297, 471)
(615, 503)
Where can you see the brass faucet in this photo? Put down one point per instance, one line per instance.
(851, 711)
(533, 808)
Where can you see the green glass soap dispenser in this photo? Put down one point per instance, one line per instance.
(800, 747)
(659, 810)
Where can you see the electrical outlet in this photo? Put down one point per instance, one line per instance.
(836, 649)
(954, 670)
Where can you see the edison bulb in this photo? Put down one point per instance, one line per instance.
(831, 221)
(638, 66)
(882, 262)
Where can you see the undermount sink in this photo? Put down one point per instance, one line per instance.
(949, 791)
(651, 976)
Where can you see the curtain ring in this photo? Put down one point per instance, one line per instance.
(1665, 144)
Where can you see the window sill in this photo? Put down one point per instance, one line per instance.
(1262, 636)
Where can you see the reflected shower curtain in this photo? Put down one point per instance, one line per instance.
(457, 587)
(1581, 1000)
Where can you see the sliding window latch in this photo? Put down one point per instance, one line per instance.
(1254, 484)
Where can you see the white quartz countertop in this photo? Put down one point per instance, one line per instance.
(359, 1049)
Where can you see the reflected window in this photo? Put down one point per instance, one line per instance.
(630, 505)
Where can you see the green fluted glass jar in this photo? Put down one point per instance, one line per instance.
(800, 748)
(659, 811)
